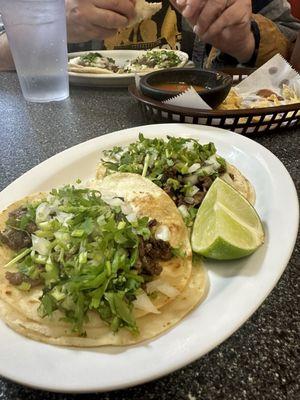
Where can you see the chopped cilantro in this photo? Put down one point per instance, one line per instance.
(156, 59)
(85, 251)
(90, 58)
(180, 166)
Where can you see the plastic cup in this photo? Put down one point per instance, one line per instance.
(36, 31)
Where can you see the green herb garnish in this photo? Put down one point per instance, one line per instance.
(90, 58)
(156, 59)
(85, 252)
(184, 168)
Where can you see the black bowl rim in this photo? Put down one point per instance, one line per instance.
(223, 85)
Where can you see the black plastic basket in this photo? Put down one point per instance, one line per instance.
(246, 122)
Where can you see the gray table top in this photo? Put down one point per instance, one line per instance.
(261, 360)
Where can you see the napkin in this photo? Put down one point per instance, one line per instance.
(190, 99)
(273, 75)
(137, 79)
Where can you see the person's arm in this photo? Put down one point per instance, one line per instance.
(224, 24)
(279, 12)
(227, 26)
(295, 59)
(277, 27)
(6, 60)
(271, 41)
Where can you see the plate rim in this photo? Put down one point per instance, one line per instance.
(184, 360)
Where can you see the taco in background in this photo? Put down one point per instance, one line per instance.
(152, 60)
(182, 167)
(93, 63)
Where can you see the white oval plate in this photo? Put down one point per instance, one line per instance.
(237, 288)
(114, 80)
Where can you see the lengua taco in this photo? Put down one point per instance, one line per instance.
(107, 264)
(182, 167)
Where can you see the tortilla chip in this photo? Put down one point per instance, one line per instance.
(144, 10)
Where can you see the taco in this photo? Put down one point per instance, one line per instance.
(150, 325)
(93, 63)
(152, 60)
(182, 167)
(86, 266)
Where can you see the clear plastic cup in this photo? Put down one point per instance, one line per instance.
(36, 31)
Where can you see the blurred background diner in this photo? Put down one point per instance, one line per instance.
(214, 33)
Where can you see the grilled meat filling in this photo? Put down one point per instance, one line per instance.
(203, 183)
(13, 236)
(152, 251)
(17, 278)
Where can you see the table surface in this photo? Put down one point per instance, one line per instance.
(262, 359)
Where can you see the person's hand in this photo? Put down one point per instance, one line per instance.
(225, 24)
(97, 19)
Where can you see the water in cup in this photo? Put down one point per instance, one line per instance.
(36, 31)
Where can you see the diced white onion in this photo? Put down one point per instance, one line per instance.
(113, 201)
(53, 202)
(194, 190)
(40, 245)
(118, 156)
(162, 233)
(153, 158)
(74, 60)
(189, 200)
(126, 208)
(212, 161)
(131, 217)
(194, 168)
(192, 179)
(209, 169)
(64, 217)
(163, 287)
(183, 210)
(42, 213)
(63, 237)
(189, 145)
(143, 302)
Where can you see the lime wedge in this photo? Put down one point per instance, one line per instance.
(226, 226)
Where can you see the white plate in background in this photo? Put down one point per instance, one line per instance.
(113, 80)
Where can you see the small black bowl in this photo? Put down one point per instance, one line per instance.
(216, 84)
